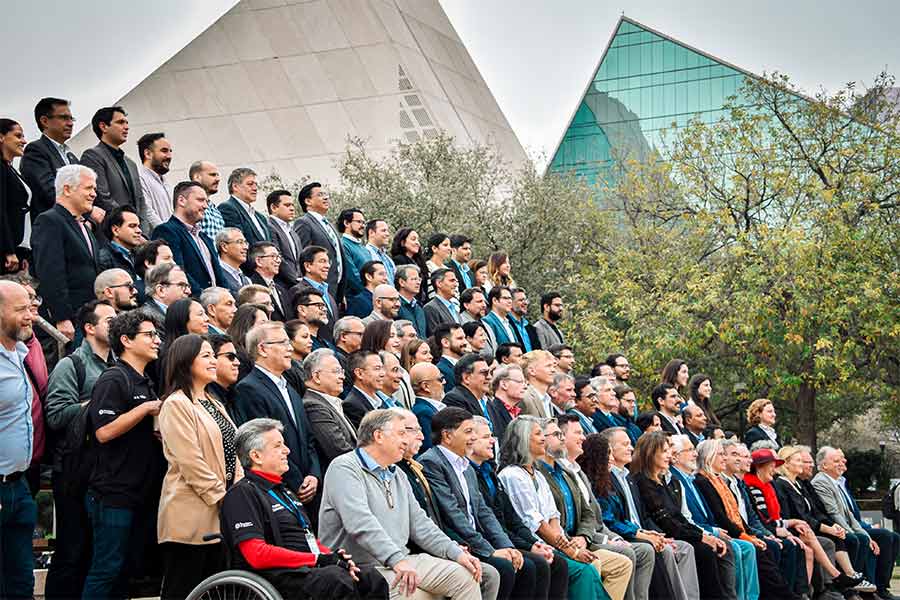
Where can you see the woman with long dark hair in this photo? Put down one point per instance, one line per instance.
(676, 373)
(301, 346)
(380, 335)
(415, 352)
(700, 389)
(500, 270)
(15, 196)
(198, 443)
(406, 249)
(183, 317)
(649, 468)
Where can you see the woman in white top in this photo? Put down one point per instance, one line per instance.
(15, 196)
(532, 500)
(438, 254)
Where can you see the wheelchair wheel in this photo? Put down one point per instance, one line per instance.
(234, 585)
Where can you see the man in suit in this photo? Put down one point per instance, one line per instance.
(451, 339)
(266, 259)
(408, 283)
(837, 504)
(192, 249)
(238, 210)
(307, 305)
(473, 303)
(280, 205)
(546, 327)
(607, 406)
(524, 331)
(315, 267)
(440, 309)
(463, 510)
(44, 156)
(473, 382)
(508, 387)
(373, 275)
(428, 385)
(231, 246)
(694, 423)
(118, 180)
(351, 225)
(65, 250)
(623, 512)
(667, 403)
(385, 304)
(313, 229)
(562, 393)
(378, 241)
(539, 367)
(367, 371)
(500, 329)
(585, 404)
(166, 283)
(264, 392)
(324, 380)
(220, 307)
(460, 253)
(122, 230)
(348, 332)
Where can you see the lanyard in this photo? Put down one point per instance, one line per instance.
(292, 508)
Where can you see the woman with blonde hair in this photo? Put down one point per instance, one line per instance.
(198, 442)
(500, 270)
(761, 417)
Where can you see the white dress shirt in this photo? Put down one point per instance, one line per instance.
(460, 464)
(281, 383)
(531, 497)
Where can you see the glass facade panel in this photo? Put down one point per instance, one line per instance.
(643, 85)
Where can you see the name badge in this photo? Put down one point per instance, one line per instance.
(311, 542)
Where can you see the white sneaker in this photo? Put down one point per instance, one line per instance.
(864, 586)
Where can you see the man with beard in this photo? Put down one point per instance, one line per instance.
(122, 231)
(207, 175)
(45, 155)
(192, 249)
(156, 156)
(16, 443)
(547, 331)
(351, 225)
(451, 340)
(116, 287)
(309, 306)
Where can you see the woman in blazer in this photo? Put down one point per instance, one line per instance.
(15, 195)
(198, 442)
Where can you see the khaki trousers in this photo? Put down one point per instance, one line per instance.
(438, 578)
(615, 570)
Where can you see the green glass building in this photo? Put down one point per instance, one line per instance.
(645, 82)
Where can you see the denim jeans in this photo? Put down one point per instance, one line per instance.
(72, 556)
(112, 541)
(18, 515)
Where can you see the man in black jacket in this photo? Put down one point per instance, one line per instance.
(65, 250)
(44, 156)
(472, 385)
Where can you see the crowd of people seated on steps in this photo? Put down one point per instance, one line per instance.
(358, 414)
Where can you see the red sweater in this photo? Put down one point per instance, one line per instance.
(261, 555)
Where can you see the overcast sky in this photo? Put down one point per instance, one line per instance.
(536, 55)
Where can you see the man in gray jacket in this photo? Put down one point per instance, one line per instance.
(368, 508)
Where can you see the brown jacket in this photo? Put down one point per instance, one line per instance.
(195, 481)
(533, 403)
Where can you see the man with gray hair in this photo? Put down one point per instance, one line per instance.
(562, 393)
(264, 392)
(165, 283)
(269, 531)
(369, 509)
(65, 251)
(332, 431)
(238, 210)
(220, 308)
(231, 245)
(385, 304)
(116, 287)
(508, 389)
(406, 331)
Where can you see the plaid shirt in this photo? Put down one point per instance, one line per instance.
(212, 222)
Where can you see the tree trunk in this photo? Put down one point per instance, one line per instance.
(805, 431)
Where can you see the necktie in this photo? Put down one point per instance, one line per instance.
(87, 236)
(275, 297)
(329, 231)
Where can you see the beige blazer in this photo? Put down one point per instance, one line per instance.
(195, 480)
(533, 403)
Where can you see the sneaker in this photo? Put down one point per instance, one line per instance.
(844, 582)
(886, 595)
(864, 587)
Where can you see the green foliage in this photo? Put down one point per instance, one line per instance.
(545, 224)
(763, 250)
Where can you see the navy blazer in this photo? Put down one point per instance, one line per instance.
(235, 215)
(187, 255)
(38, 167)
(289, 271)
(356, 405)
(500, 418)
(487, 535)
(756, 434)
(446, 370)
(423, 410)
(64, 265)
(256, 395)
(232, 284)
(284, 297)
(461, 397)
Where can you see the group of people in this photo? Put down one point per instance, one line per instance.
(356, 414)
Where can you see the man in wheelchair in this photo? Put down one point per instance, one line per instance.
(267, 531)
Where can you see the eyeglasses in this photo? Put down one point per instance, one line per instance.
(232, 356)
(359, 333)
(238, 242)
(66, 118)
(623, 366)
(395, 299)
(335, 371)
(183, 285)
(35, 300)
(284, 343)
(275, 256)
(152, 334)
(319, 305)
(442, 379)
(128, 285)
(413, 430)
(557, 434)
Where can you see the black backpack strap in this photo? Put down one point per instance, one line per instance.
(80, 376)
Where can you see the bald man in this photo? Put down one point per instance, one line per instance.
(16, 443)
(428, 384)
(116, 287)
(385, 304)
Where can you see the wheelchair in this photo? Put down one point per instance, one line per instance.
(233, 584)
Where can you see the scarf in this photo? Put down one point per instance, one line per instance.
(768, 492)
